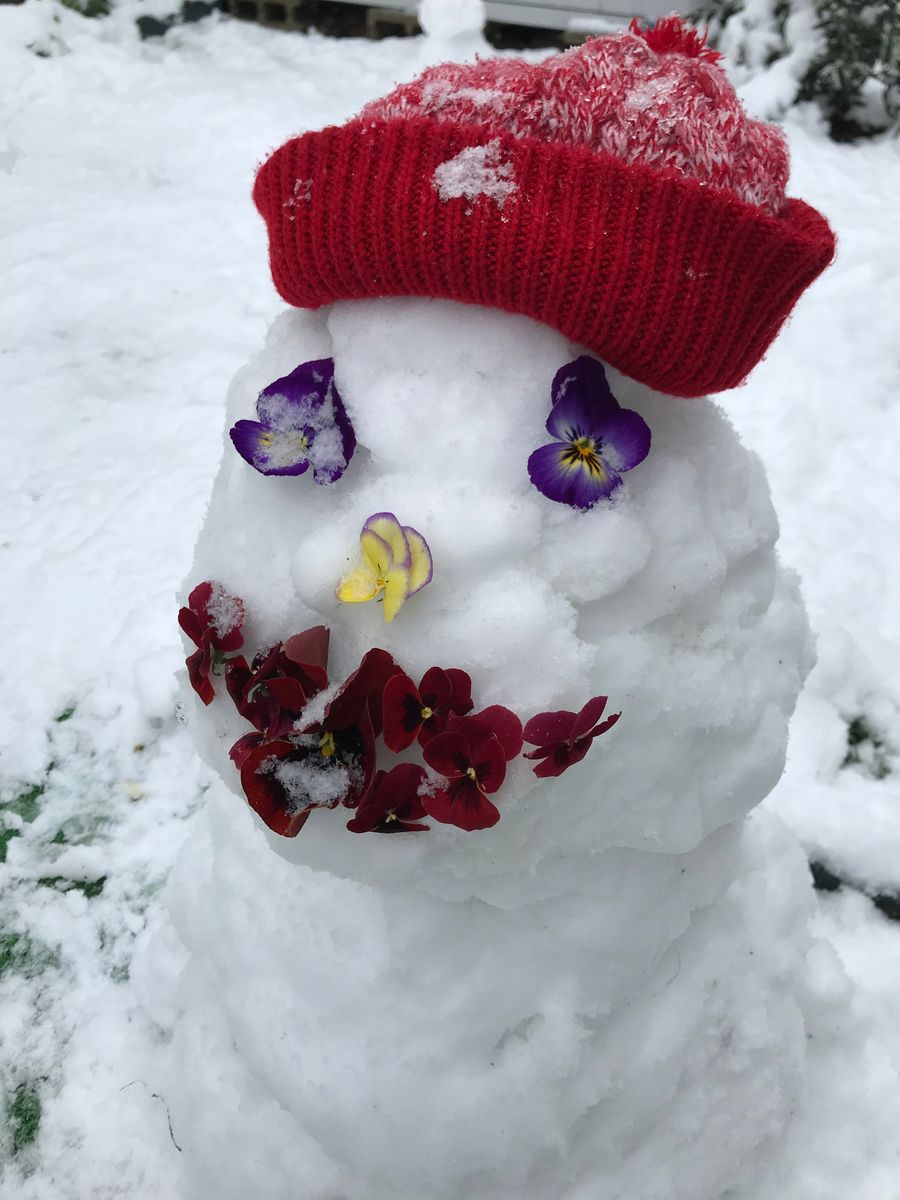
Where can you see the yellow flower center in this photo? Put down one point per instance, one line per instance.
(326, 745)
(427, 713)
(471, 774)
(391, 816)
(582, 452)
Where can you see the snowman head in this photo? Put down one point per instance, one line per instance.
(619, 202)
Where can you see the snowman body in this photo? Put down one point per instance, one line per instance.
(593, 998)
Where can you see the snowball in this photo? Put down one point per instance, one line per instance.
(451, 18)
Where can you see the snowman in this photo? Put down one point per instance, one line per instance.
(484, 572)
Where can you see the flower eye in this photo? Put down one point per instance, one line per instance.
(596, 439)
(302, 424)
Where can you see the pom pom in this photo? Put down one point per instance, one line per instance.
(671, 35)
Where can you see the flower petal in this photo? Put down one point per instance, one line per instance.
(198, 665)
(386, 526)
(291, 402)
(362, 692)
(242, 747)
(585, 375)
(376, 552)
(398, 791)
(421, 568)
(348, 437)
(190, 625)
(505, 726)
(549, 727)
(448, 754)
(402, 707)
(625, 439)
(462, 804)
(582, 400)
(561, 758)
(604, 725)
(489, 761)
(396, 590)
(461, 701)
(270, 451)
(358, 586)
(588, 717)
(436, 688)
(309, 650)
(266, 795)
(559, 478)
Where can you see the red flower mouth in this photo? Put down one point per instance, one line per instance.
(294, 762)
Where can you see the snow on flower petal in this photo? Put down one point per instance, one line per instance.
(285, 780)
(595, 439)
(302, 423)
(213, 620)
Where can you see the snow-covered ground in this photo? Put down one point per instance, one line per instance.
(134, 282)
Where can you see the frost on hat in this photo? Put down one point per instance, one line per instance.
(617, 192)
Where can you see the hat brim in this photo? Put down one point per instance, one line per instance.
(678, 285)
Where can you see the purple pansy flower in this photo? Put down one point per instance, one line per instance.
(596, 440)
(302, 424)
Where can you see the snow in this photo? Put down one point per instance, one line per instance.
(135, 281)
(223, 609)
(476, 171)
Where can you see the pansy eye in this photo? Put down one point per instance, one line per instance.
(596, 440)
(302, 423)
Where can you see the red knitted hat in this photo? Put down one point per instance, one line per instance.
(618, 193)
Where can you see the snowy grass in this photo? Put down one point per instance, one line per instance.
(134, 280)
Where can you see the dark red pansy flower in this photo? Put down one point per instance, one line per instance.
(273, 691)
(393, 805)
(213, 610)
(412, 712)
(213, 620)
(563, 738)
(285, 779)
(362, 690)
(473, 763)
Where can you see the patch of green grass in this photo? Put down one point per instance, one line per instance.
(22, 955)
(6, 836)
(866, 749)
(88, 887)
(26, 805)
(23, 1115)
(89, 8)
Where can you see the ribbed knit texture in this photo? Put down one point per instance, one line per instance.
(672, 282)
